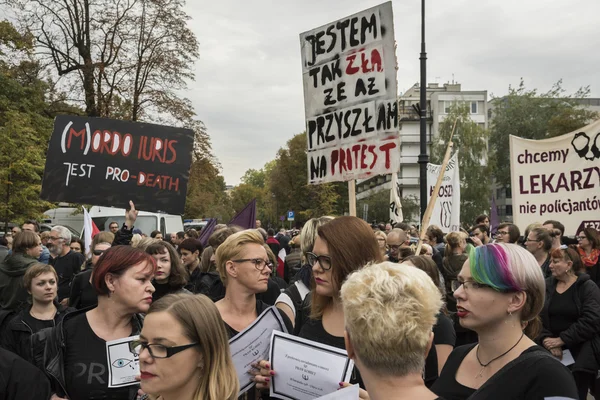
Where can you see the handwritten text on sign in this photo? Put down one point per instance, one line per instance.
(349, 80)
(446, 212)
(108, 162)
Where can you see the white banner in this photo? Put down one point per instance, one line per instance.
(396, 215)
(446, 213)
(350, 97)
(558, 179)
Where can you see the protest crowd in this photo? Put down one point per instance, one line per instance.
(484, 313)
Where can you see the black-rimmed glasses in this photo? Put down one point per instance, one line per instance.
(324, 261)
(157, 350)
(259, 263)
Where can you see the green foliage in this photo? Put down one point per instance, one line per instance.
(533, 115)
(25, 127)
(470, 140)
(206, 197)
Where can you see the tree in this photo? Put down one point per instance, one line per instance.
(25, 125)
(531, 115)
(206, 197)
(137, 53)
(288, 183)
(470, 140)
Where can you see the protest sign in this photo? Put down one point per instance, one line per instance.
(446, 212)
(108, 162)
(558, 179)
(396, 214)
(123, 362)
(349, 76)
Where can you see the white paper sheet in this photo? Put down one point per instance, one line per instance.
(347, 393)
(252, 345)
(567, 358)
(306, 370)
(123, 364)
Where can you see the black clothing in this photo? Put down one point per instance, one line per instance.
(272, 293)
(86, 370)
(19, 380)
(123, 236)
(163, 289)
(260, 308)
(451, 266)
(546, 268)
(83, 294)
(16, 336)
(443, 331)
(534, 375)
(292, 264)
(562, 311)
(67, 267)
(582, 337)
(51, 352)
(13, 296)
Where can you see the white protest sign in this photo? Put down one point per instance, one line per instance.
(558, 179)
(396, 214)
(446, 213)
(349, 76)
(305, 370)
(252, 345)
(123, 362)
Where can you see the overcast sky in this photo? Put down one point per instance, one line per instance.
(248, 87)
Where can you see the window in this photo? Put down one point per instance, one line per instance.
(473, 107)
(509, 210)
(447, 105)
(508, 192)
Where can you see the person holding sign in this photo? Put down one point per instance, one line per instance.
(342, 246)
(75, 354)
(389, 312)
(183, 350)
(500, 293)
(244, 268)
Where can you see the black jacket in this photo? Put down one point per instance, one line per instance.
(49, 350)
(13, 296)
(20, 380)
(16, 336)
(582, 337)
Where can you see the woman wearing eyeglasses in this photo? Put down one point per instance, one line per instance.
(342, 246)
(83, 294)
(74, 352)
(184, 351)
(499, 293)
(589, 251)
(244, 268)
(571, 317)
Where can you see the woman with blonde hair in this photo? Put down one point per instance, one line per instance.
(184, 351)
(389, 312)
(381, 238)
(500, 293)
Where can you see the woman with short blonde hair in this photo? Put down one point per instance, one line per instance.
(389, 312)
(188, 324)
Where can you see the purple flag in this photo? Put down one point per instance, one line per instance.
(494, 220)
(208, 230)
(247, 217)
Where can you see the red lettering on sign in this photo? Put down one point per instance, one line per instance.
(73, 132)
(386, 148)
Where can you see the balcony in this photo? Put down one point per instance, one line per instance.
(408, 113)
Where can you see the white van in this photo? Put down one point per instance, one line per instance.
(65, 216)
(146, 221)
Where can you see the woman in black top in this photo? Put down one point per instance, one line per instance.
(389, 311)
(75, 357)
(499, 294)
(41, 281)
(83, 294)
(244, 267)
(343, 246)
(571, 317)
(171, 276)
(444, 337)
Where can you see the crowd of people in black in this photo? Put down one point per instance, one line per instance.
(485, 313)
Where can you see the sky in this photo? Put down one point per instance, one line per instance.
(248, 87)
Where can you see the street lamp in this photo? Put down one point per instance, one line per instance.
(423, 156)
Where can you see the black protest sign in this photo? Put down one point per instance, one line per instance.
(107, 162)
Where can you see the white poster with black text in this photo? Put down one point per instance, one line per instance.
(446, 213)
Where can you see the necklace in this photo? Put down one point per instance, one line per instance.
(480, 374)
(41, 317)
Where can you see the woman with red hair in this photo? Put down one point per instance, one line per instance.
(74, 357)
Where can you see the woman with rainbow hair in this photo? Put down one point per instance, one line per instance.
(499, 294)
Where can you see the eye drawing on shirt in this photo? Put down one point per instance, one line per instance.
(121, 362)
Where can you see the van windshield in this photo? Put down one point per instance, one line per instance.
(146, 224)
